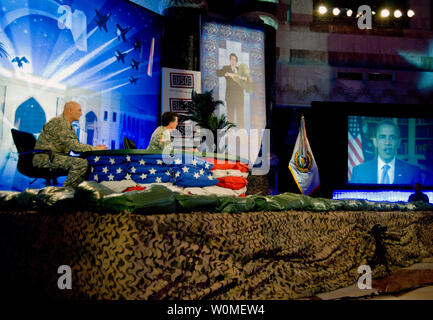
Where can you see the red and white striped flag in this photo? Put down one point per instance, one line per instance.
(355, 154)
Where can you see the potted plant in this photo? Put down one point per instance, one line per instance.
(202, 111)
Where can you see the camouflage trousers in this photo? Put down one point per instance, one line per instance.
(76, 167)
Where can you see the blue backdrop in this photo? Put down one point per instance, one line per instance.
(103, 54)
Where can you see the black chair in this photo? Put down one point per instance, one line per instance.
(25, 143)
(128, 143)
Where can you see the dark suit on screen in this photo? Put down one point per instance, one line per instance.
(405, 173)
(234, 96)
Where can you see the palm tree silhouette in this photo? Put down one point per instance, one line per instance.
(3, 52)
(202, 110)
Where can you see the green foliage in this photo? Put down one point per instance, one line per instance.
(202, 112)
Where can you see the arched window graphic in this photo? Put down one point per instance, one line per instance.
(30, 117)
(91, 120)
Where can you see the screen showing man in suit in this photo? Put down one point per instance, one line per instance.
(237, 80)
(232, 66)
(388, 151)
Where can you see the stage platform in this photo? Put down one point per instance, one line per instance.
(203, 255)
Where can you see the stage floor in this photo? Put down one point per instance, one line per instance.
(204, 255)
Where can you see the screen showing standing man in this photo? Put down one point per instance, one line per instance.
(233, 67)
(238, 80)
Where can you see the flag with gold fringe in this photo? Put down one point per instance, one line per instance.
(302, 164)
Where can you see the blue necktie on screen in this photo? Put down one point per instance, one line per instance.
(385, 177)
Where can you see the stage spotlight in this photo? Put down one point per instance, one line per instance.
(397, 13)
(336, 11)
(384, 13)
(322, 10)
(349, 12)
(373, 13)
(410, 13)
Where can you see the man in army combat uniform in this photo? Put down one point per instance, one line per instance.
(59, 137)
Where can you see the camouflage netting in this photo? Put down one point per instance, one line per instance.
(156, 244)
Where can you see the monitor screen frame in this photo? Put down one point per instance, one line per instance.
(329, 122)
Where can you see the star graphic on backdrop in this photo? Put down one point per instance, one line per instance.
(177, 175)
(206, 165)
(178, 161)
(152, 171)
(128, 176)
(143, 176)
(196, 175)
(128, 159)
(112, 161)
(210, 177)
(158, 180)
(185, 169)
(95, 177)
(194, 162)
(142, 162)
(133, 169)
(201, 171)
(158, 161)
(105, 170)
(92, 169)
(168, 173)
(110, 177)
(96, 159)
(119, 170)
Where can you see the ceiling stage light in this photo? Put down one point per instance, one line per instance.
(322, 10)
(336, 11)
(384, 13)
(397, 13)
(410, 13)
(349, 12)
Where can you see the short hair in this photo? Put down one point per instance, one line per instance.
(69, 104)
(387, 122)
(168, 117)
(234, 55)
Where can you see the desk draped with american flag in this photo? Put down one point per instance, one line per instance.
(191, 173)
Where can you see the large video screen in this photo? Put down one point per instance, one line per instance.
(103, 54)
(233, 67)
(390, 151)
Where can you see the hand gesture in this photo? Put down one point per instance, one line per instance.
(230, 75)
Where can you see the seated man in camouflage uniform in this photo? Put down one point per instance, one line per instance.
(161, 136)
(59, 137)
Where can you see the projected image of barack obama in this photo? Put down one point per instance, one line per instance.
(386, 168)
